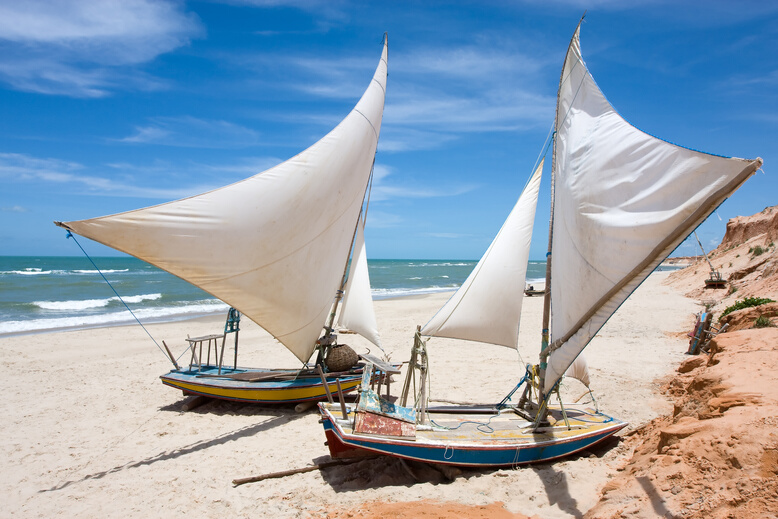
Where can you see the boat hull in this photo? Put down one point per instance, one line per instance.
(504, 440)
(207, 382)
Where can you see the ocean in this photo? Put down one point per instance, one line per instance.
(39, 294)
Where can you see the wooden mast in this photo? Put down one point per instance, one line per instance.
(541, 417)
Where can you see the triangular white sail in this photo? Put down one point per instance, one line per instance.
(275, 245)
(623, 200)
(356, 311)
(487, 307)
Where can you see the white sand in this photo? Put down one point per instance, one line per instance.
(89, 430)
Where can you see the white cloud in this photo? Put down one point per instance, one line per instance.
(494, 111)
(395, 139)
(381, 191)
(18, 167)
(14, 209)
(192, 132)
(128, 180)
(335, 10)
(83, 48)
(471, 89)
(382, 220)
(471, 63)
(447, 235)
(433, 93)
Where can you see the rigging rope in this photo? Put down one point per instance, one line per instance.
(504, 401)
(71, 235)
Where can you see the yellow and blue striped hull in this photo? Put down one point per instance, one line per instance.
(204, 383)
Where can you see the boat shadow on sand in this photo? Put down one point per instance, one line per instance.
(388, 471)
(218, 407)
(274, 419)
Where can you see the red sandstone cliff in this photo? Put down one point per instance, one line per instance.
(747, 258)
(717, 455)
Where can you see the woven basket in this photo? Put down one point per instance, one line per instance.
(341, 357)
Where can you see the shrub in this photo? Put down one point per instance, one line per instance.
(747, 302)
(762, 322)
(758, 250)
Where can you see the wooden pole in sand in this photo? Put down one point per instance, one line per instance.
(311, 468)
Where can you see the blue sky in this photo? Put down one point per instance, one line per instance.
(107, 106)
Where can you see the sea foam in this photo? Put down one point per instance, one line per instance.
(86, 304)
(145, 315)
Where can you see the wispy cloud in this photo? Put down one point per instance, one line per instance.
(495, 111)
(23, 168)
(446, 235)
(475, 88)
(394, 139)
(746, 82)
(435, 94)
(382, 220)
(44, 75)
(381, 190)
(327, 11)
(212, 176)
(128, 180)
(192, 132)
(14, 209)
(87, 49)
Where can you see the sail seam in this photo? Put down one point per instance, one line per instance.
(370, 123)
(578, 91)
(380, 85)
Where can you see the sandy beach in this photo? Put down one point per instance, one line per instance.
(89, 430)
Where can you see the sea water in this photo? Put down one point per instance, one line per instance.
(39, 294)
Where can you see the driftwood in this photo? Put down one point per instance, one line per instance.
(196, 401)
(310, 468)
(304, 406)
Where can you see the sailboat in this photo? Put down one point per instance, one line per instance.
(715, 280)
(276, 247)
(621, 202)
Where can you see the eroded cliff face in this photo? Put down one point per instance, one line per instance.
(743, 228)
(747, 258)
(717, 455)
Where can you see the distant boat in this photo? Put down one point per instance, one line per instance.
(276, 247)
(532, 291)
(715, 280)
(622, 201)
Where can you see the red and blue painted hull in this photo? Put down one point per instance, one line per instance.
(475, 440)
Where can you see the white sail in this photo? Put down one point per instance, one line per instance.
(275, 245)
(487, 307)
(579, 370)
(356, 311)
(623, 200)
